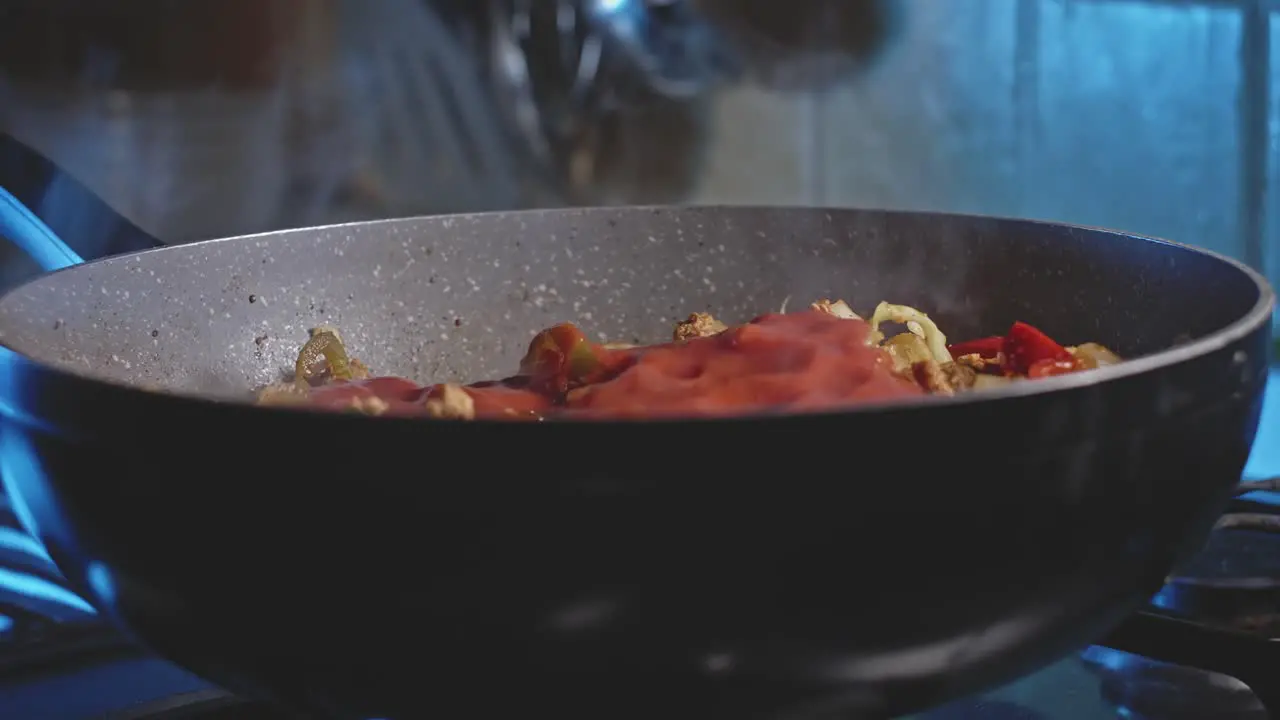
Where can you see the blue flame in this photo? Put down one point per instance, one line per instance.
(35, 238)
(40, 589)
(23, 477)
(18, 541)
(24, 481)
(101, 582)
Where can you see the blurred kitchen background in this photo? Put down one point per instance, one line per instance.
(201, 118)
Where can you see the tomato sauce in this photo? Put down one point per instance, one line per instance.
(402, 397)
(405, 397)
(794, 362)
(506, 399)
(799, 361)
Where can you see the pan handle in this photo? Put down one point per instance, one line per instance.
(53, 217)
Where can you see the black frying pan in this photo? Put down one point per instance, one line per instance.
(851, 564)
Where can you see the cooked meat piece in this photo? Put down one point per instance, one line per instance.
(699, 325)
(944, 379)
(838, 308)
(980, 364)
(960, 376)
(283, 392)
(370, 405)
(931, 377)
(906, 350)
(450, 401)
(359, 371)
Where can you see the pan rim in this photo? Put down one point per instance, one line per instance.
(1258, 315)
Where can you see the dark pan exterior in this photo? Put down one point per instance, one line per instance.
(857, 564)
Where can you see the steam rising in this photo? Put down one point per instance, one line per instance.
(866, 259)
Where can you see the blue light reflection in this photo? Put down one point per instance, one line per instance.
(1264, 461)
(24, 483)
(42, 590)
(23, 478)
(1168, 598)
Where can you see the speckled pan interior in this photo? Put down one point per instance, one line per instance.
(459, 297)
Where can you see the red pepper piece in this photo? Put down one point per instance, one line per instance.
(986, 348)
(1025, 346)
(546, 364)
(1049, 368)
(561, 358)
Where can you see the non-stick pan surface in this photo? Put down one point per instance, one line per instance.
(848, 564)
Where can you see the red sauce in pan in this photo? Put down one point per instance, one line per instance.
(798, 361)
(403, 397)
(505, 399)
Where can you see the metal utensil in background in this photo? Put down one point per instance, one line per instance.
(665, 46)
(608, 95)
(403, 122)
(805, 44)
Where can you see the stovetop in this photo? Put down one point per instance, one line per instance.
(1221, 613)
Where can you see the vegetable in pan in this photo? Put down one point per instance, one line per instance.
(824, 357)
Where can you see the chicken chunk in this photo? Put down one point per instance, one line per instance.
(450, 402)
(978, 363)
(699, 325)
(370, 405)
(944, 379)
(283, 392)
(837, 308)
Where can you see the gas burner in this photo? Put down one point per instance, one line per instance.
(1234, 583)
(1144, 689)
(1213, 622)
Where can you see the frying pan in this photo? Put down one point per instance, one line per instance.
(851, 564)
